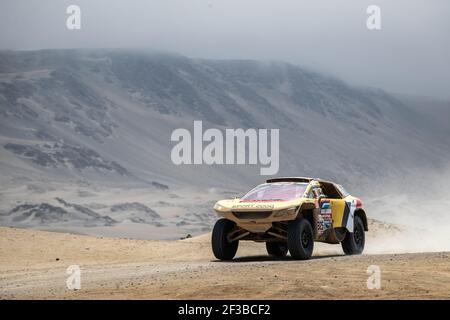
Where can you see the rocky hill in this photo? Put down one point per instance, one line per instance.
(103, 118)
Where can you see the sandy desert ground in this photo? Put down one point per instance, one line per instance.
(33, 265)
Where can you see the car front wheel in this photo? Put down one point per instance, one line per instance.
(221, 247)
(300, 239)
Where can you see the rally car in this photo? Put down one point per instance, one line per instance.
(290, 214)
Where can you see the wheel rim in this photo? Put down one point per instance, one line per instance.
(283, 248)
(305, 239)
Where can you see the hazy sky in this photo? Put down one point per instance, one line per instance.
(410, 54)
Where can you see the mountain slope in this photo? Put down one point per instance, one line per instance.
(89, 121)
(93, 113)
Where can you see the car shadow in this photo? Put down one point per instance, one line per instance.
(267, 258)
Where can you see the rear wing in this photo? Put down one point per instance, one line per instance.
(290, 179)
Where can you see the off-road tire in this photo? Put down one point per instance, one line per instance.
(222, 249)
(300, 239)
(277, 249)
(353, 242)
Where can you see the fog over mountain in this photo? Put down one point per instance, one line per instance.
(409, 54)
(94, 124)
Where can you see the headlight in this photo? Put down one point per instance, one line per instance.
(284, 212)
(218, 207)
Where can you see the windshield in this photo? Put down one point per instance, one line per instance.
(276, 191)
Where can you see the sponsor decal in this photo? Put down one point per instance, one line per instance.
(325, 205)
(253, 206)
(324, 220)
(349, 214)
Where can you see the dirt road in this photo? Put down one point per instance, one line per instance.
(33, 265)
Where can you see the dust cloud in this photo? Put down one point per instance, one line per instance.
(411, 212)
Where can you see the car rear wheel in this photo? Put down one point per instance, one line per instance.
(277, 249)
(353, 242)
(221, 247)
(300, 239)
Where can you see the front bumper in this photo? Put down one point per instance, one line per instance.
(258, 221)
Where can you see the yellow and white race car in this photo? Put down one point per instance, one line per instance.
(290, 214)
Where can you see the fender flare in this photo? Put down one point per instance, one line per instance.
(308, 211)
(362, 214)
